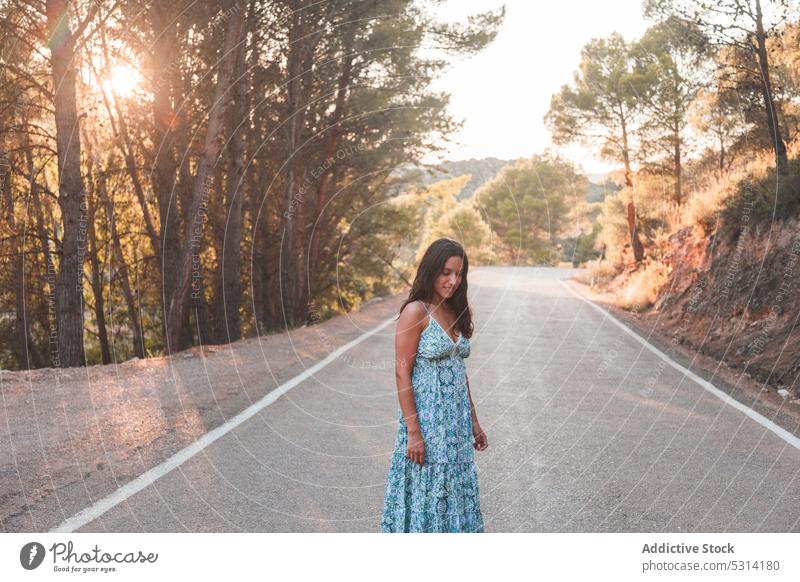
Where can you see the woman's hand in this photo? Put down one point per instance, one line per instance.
(481, 442)
(416, 446)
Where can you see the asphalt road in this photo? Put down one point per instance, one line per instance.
(588, 431)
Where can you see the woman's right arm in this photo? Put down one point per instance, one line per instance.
(409, 329)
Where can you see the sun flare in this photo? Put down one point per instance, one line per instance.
(122, 80)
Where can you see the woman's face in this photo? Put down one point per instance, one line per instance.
(450, 278)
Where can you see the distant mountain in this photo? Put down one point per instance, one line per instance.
(482, 170)
(597, 178)
(600, 186)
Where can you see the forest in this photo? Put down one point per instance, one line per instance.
(181, 173)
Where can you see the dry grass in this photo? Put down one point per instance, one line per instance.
(703, 204)
(641, 289)
(597, 273)
(709, 195)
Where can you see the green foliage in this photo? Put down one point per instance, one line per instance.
(378, 260)
(465, 224)
(654, 209)
(770, 197)
(436, 201)
(597, 106)
(670, 66)
(614, 228)
(525, 206)
(329, 98)
(582, 248)
(717, 115)
(745, 31)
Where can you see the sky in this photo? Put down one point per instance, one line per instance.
(503, 92)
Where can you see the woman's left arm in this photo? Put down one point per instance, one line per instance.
(481, 442)
(472, 405)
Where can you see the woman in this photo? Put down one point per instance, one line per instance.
(433, 484)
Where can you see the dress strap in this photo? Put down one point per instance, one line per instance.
(426, 307)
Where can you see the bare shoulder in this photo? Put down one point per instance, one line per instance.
(413, 317)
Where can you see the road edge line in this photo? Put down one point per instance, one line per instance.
(147, 478)
(780, 432)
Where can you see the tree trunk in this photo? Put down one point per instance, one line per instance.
(633, 231)
(677, 167)
(41, 311)
(303, 38)
(200, 309)
(232, 233)
(263, 286)
(164, 61)
(69, 287)
(23, 347)
(182, 201)
(258, 280)
(778, 145)
(231, 244)
(291, 206)
(51, 321)
(96, 270)
(257, 217)
(333, 140)
(189, 266)
(122, 268)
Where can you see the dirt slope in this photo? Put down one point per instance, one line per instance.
(732, 294)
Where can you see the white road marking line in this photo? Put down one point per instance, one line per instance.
(705, 384)
(149, 477)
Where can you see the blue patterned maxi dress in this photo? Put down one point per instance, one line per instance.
(440, 495)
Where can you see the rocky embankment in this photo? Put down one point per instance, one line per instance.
(732, 294)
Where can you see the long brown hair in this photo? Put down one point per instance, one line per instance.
(430, 267)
